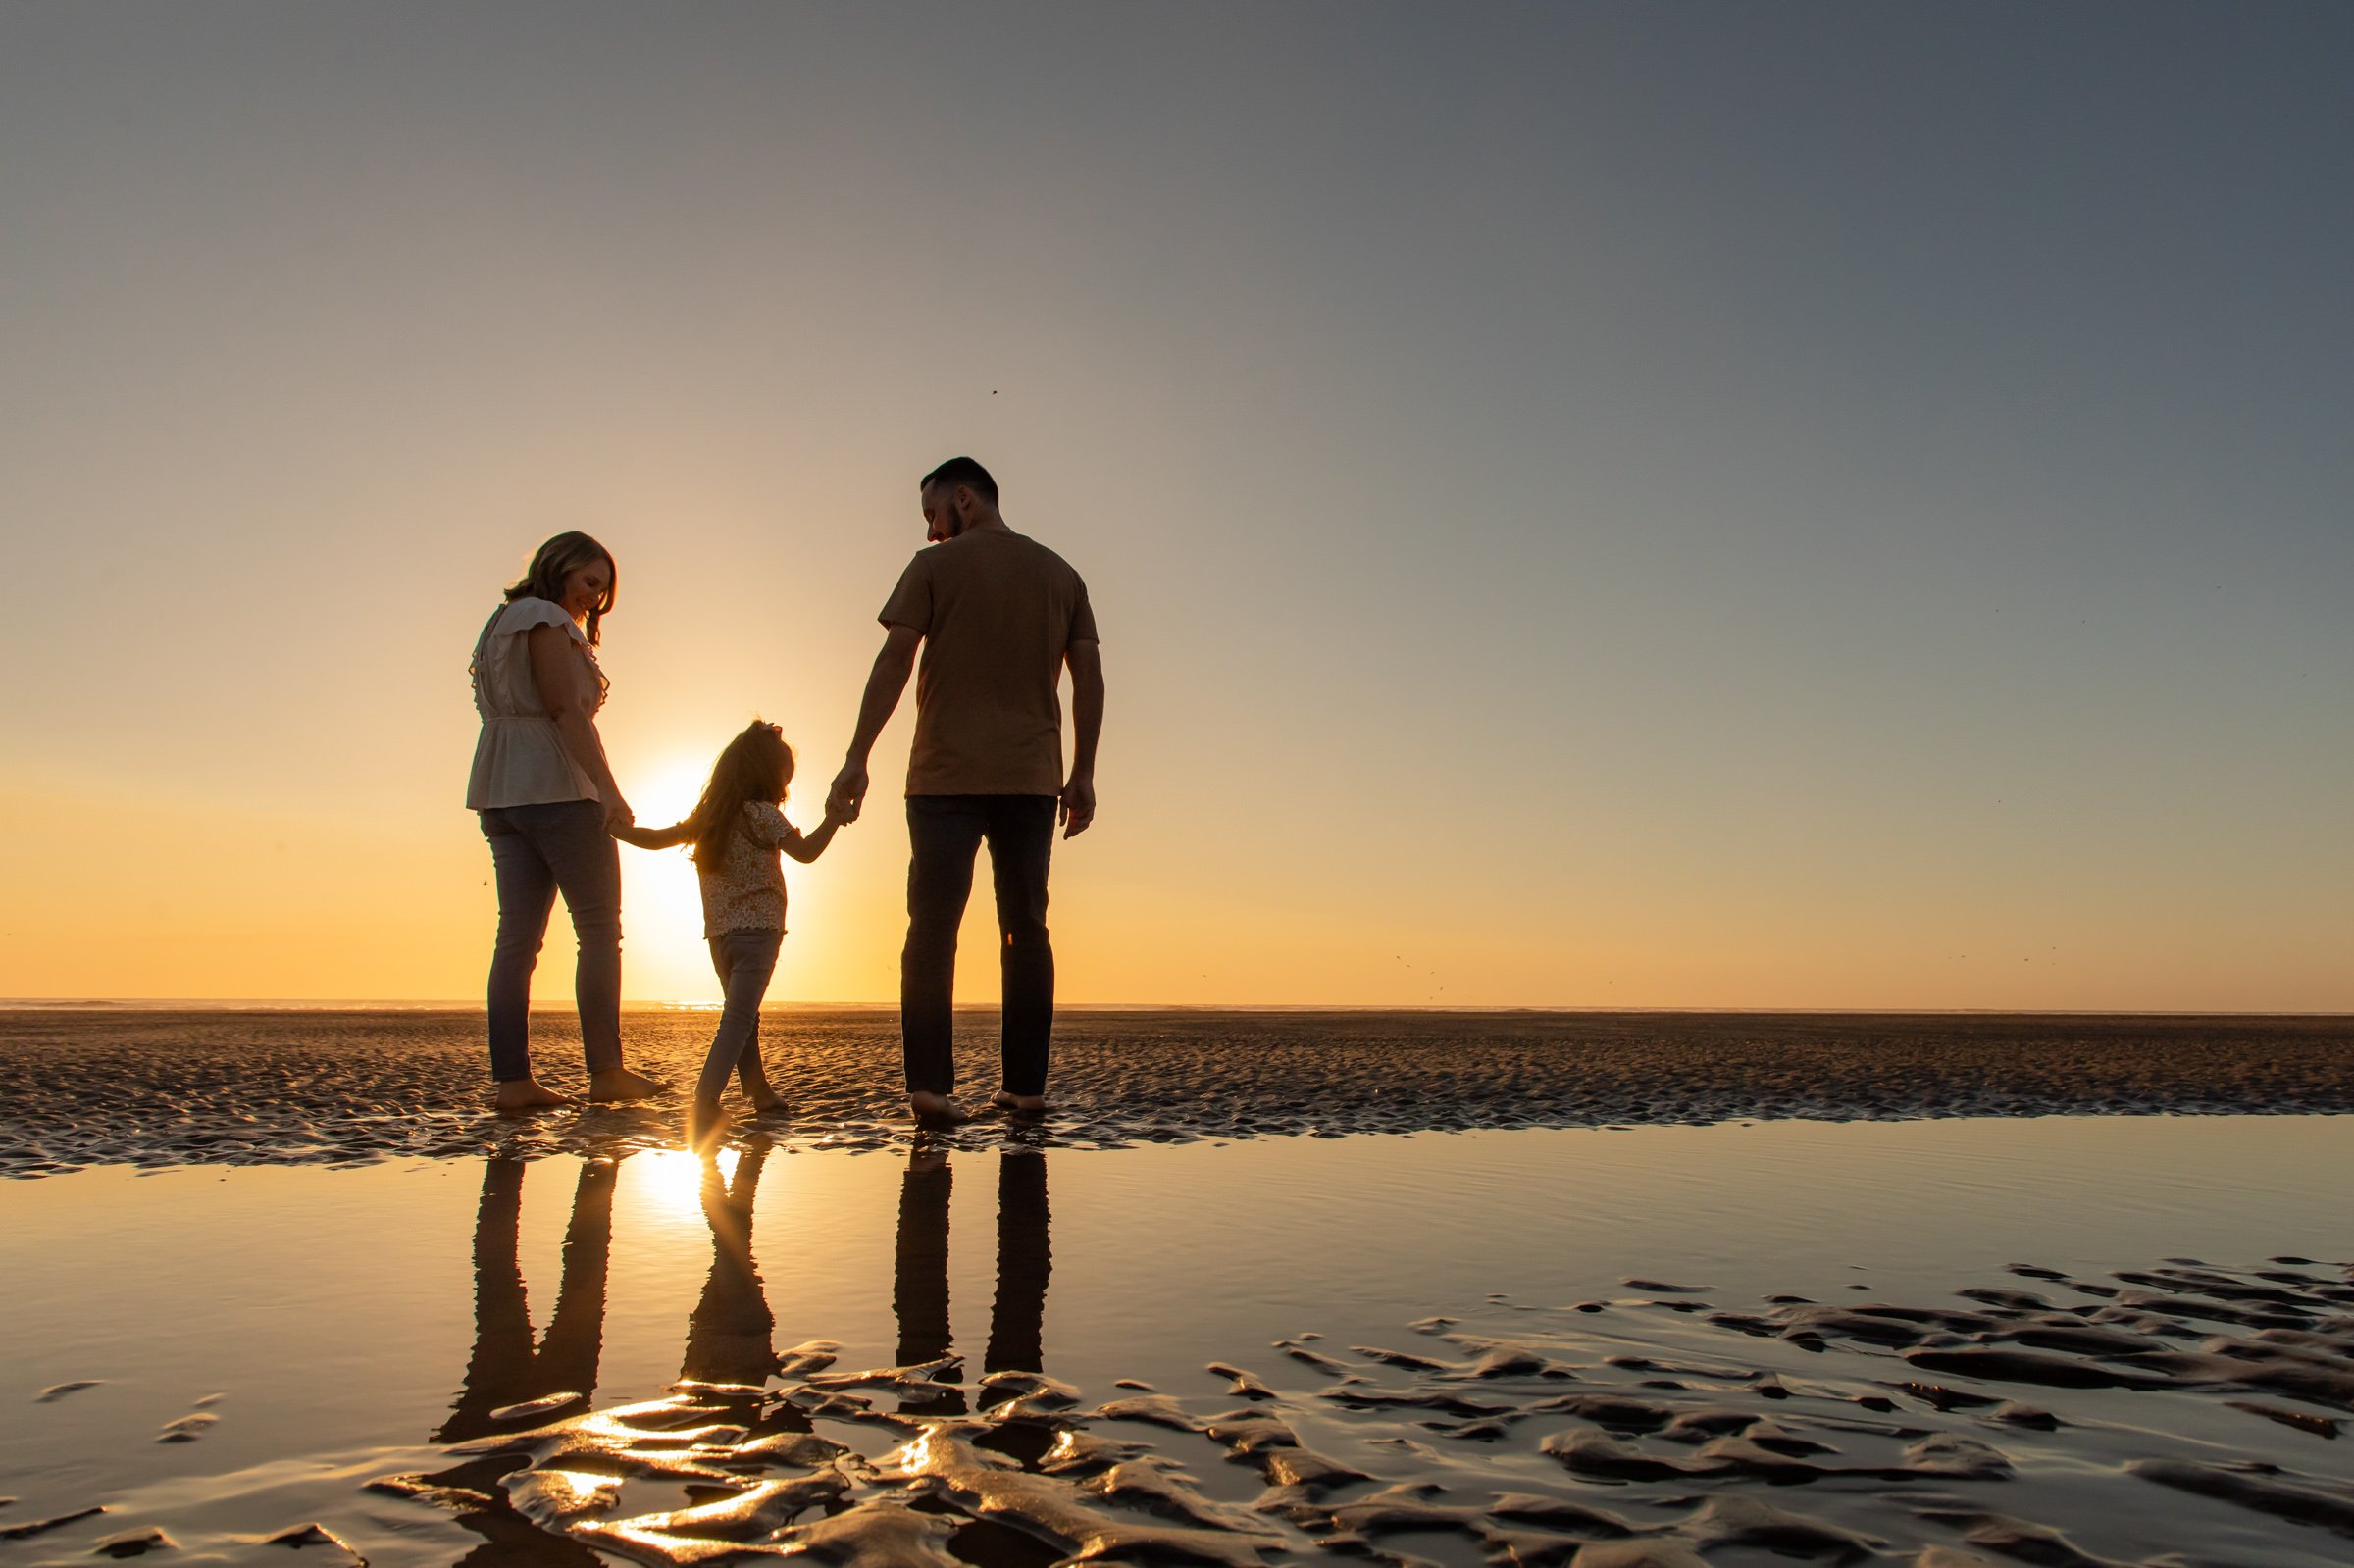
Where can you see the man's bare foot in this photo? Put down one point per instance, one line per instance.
(936, 1110)
(529, 1095)
(619, 1083)
(1019, 1104)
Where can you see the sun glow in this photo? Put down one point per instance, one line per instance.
(670, 1182)
(662, 909)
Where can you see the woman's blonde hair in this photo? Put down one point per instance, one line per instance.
(757, 765)
(557, 560)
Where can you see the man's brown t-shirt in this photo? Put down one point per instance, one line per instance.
(996, 611)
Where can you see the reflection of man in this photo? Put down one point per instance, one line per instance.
(1017, 1317)
(919, 1264)
(919, 1296)
(997, 616)
(504, 1368)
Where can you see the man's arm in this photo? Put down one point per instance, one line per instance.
(884, 684)
(1086, 660)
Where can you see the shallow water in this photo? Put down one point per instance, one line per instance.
(343, 1326)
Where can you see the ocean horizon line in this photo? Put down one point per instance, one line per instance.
(341, 1005)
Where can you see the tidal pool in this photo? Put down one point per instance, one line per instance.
(259, 1343)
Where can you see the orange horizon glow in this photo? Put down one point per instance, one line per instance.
(1583, 511)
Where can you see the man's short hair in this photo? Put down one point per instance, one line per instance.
(963, 470)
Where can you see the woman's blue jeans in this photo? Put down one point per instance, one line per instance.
(745, 959)
(535, 852)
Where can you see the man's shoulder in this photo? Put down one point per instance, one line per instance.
(988, 549)
(1046, 557)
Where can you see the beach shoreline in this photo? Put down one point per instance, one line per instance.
(161, 1088)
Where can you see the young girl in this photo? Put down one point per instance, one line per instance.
(736, 831)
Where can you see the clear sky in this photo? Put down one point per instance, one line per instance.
(1638, 504)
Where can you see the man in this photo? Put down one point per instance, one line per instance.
(997, 617)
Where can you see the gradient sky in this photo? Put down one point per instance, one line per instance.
(1646, 504)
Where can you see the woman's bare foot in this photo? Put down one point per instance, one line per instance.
(616, 1083)
(936, 1110)
(705, 1123)
(529, 1095)
(764, 1099)
(1019, 1104)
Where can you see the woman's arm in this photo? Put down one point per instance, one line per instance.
(568, 692)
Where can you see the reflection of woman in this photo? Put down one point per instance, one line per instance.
(547, 801)
(506, 1369)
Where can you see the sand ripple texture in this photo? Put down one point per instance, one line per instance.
(2181, 1415)
(157, 1088)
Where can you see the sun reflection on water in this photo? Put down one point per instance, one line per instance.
(668, 1184)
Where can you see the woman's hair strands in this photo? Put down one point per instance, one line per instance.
(557, 560)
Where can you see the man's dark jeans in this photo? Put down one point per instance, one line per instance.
(536, 851)
(944, 833)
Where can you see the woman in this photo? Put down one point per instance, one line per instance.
(549, 804)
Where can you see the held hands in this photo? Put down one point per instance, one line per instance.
(618, 815)
(1077, 806)
(847, 795)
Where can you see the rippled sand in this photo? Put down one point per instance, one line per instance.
(154, 1087)
(2172, 1416)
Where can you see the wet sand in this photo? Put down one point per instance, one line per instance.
(1653, 1429)
(156, 1088)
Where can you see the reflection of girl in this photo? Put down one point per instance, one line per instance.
(736, 831)
(546, 800)
(731, 1334)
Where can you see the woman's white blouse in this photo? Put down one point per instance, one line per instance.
(521, 761)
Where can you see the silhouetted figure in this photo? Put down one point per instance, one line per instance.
(920, 1276)
(548, 803)
(1017, 1318)
(731, 1334)
(997, 617)
(737, 831)
(505, 1368)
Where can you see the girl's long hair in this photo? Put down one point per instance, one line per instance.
(557, 560)
(757, 765)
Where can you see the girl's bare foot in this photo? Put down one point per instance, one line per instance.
(529, 1095)
(619, 1083)
(1022, 1104)
(934, 1110)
